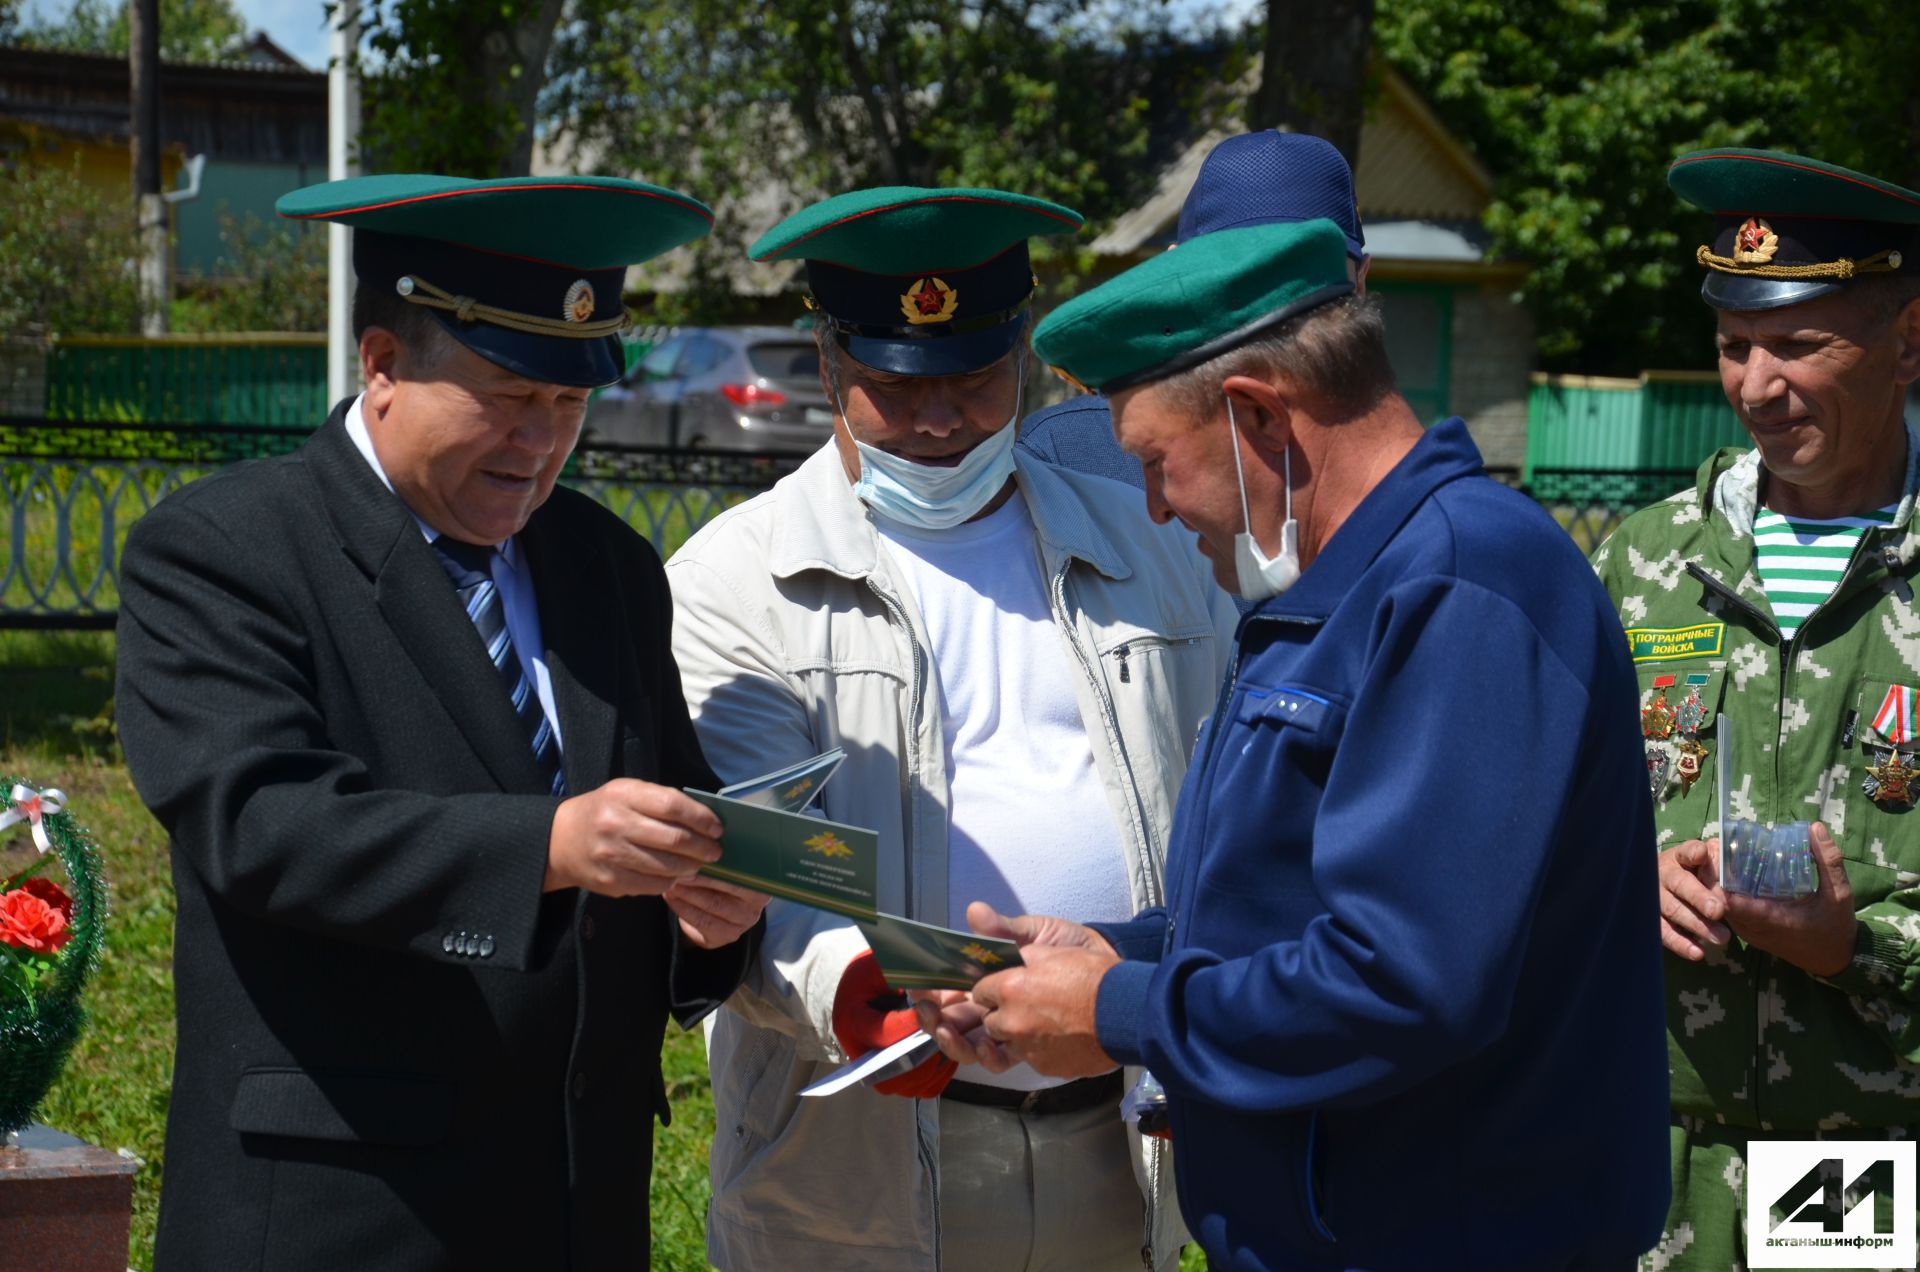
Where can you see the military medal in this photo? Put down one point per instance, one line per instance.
(1657, 764)
(1656, 718)
(1691, 714)
(1687, 765)
(1891, 783)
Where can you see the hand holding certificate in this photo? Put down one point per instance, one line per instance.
(772, 847)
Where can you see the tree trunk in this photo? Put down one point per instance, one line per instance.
(530, 39)
(1314, 71)
(143, 75)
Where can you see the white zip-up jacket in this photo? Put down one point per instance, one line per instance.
(794, 633)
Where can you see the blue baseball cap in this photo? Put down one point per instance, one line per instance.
(1269, 177)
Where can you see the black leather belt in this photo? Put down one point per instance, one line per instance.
(1072, 1097)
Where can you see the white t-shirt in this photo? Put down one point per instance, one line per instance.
(1030, 829)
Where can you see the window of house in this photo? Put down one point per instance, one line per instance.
(1419, 343)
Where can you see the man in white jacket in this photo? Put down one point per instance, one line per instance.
(1016, 661)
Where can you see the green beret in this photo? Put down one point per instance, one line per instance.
(1194, 302)
(1789, 228)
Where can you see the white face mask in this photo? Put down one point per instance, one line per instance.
(1257, 577)
(927, 496)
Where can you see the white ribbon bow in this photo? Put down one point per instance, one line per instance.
(32, 807)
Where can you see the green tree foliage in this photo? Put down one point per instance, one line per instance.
(450, 86)
(190, 30)
(272, 278)
(1578, 106)
(66, 258)
(758, 109)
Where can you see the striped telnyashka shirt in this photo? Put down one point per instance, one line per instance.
(1801, 560)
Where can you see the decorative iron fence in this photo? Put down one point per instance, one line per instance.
(1589, 503)
(69, 492)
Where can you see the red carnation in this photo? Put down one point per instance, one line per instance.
(36, 916)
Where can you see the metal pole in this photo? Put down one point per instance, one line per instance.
(343, 128)
(143, 74)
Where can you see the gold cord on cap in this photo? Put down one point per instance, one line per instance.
(419, 291)
(1879, 263)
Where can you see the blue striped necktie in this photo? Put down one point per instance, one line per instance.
(470, 567)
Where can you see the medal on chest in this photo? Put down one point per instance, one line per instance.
(1659, 763)
(1892, 782)
(1687, 719)
(1656, 718)
(1656, 726)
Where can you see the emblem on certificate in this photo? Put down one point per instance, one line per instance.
(1656, 718)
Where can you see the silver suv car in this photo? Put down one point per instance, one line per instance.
(723, 388)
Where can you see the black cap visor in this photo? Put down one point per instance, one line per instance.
(1745, 293)
(582, 364)
(945, 354)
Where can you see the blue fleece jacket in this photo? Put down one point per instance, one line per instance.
(1406, 1001)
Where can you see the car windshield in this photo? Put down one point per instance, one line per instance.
(798, 361)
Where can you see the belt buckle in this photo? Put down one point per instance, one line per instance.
(1031, 1100)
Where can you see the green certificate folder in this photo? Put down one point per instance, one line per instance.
(921, 956)
(807, 859)
(791, 788)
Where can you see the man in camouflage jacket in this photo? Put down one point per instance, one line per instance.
(1787, 1018)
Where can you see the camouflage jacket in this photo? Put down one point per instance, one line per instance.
(1753, 1040)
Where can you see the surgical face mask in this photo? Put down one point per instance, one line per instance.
(1256, 576)
(929, 497)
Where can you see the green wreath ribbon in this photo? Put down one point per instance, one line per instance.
(36, 1035)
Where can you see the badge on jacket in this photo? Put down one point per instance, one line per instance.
(1893, 781)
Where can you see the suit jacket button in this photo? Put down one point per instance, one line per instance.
(486, 947)
(446, 942)
(580, 1085)
(586, 927)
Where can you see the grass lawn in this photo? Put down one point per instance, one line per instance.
(54, 702)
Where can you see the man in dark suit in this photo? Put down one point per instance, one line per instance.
(409, 715)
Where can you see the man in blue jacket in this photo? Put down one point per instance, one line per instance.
(1404, 999)
(1256, 178)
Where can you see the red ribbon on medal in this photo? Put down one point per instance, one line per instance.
(1656, 718)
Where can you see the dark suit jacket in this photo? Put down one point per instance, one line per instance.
(394, 1051)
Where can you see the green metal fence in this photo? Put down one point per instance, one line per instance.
(271, 379)
(277, 380)
(1662, 421)
(69, 493)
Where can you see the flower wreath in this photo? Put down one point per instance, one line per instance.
(49, 945)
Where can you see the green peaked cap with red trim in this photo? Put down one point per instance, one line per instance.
(1789, 228)
(582, 222)
(912, 229)
(525, 271)
(919, 281)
